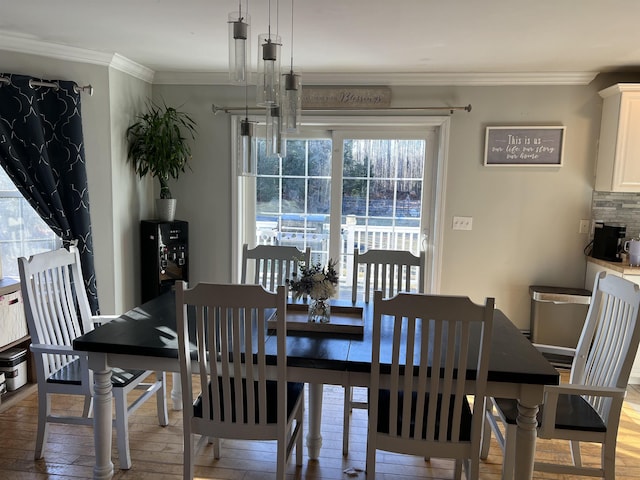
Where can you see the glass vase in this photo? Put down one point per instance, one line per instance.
(319, 310)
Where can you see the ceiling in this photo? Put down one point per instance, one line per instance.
(379, 39)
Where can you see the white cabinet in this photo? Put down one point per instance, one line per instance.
(618, 165)
(630, 273)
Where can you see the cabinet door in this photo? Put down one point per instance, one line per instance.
(618, 169)
(626, 174)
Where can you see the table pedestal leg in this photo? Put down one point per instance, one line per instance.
(176, 391)
(102, 424)
(314, 437)
(525, 440)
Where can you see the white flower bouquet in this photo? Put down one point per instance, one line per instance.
(316, 281)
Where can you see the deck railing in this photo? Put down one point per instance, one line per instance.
(352, 236)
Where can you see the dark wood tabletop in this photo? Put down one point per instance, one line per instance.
(150, 330)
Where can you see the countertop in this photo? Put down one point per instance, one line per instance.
(622, 267)
(9, 285)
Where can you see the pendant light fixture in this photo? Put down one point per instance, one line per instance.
(246, 148)
(292, 94)
(275, 144)
(268, 81)
(239, 45)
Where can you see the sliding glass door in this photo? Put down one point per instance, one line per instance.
(342, 188)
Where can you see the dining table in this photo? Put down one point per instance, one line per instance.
(146, 338)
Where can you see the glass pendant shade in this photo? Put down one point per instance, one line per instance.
(239, 48)
(291, 102)
(247, 152)
(274, 141)
(268, 81)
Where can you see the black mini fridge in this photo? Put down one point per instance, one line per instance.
(164, 256)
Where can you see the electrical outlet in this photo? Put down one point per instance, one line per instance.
(584, 226)
(462, 223)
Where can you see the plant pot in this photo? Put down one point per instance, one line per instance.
(166, 209)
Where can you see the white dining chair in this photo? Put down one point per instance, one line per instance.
(57, 311)
(390, 271)
(271, 265)
(587, 409)
(243, 394)
(418, 393)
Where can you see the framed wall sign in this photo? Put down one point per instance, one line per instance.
(524, 146)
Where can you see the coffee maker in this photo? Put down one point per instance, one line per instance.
(608, 241)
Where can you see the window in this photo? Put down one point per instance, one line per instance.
(22, 231)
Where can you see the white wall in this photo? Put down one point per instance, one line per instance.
(132, 198)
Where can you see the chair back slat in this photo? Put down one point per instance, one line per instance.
(437, 340)
(271, 265)
(390, 271)
(56, 305)
(609, 341)
(230, 339)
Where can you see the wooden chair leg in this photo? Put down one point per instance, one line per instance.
(122, 427)
(44, 410)
(348, 397)
(188, 441)
(161, 399)
(87, 409)
(609, 459)
(509, 459)
(457, 474)
(576, 457)
(485, 444)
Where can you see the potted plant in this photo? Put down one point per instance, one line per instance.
(159, 145)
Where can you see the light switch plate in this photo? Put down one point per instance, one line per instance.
(462, 223)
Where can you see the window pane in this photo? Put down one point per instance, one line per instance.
(354, 197)
(319, 195)
(293, 195)
(295, 161)
(268, 194)
(320, 158)
(22, 231)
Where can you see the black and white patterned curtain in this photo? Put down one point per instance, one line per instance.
(42, 151)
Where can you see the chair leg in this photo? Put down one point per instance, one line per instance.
(188, 442)
(281, 461)
(161, 399)
(122, 427)
(87, 409)
(509, 458)
(348, 397)
(370, 465)
(485, 444)
(44, 410)
(576, 457)
(609, 459)
(216, 447)
(300, 423)
(457, 474)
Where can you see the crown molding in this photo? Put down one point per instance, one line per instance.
(396, 79)
(22, 44)
(132, 68)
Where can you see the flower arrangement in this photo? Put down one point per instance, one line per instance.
(315, 280)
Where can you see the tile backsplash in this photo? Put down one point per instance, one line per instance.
(618, 208)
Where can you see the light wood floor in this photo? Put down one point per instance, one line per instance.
(157, 452)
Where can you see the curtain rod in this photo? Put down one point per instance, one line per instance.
(37, 83)
(217, 109)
